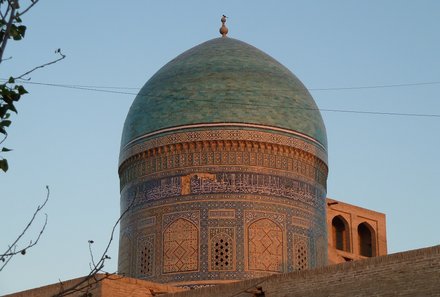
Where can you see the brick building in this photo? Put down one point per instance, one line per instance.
(354, 232)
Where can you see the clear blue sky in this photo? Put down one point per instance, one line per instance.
(69, 139)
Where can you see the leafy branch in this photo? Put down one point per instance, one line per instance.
(11, 27)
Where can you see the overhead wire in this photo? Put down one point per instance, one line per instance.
(83, 87)
(376, 86)
(325, 109)
(114, 90)
(98, 88)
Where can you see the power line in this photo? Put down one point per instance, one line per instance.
(107, 89)
(252, 105)
(82, 87)
(377, 86)
(73, 86)
(99, 88)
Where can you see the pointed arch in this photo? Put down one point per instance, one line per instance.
(180, 247)
(367, 242)
(222, 252)
(340, 234)
(145, 254)
(300, 252)
(265, 246)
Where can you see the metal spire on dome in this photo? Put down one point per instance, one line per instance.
(224, 30)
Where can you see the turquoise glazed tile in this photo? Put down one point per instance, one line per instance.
(224, 80)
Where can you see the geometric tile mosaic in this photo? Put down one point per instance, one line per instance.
(180, 247)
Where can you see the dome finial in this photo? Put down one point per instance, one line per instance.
(224, 30)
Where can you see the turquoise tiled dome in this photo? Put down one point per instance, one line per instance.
(223, 80)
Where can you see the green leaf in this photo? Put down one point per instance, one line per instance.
(14, 96)
(5, 123)
(21, 30)
(4, 165)
(12, 107)
(6, 94)
(11, 80)
(13, 32)
(5, 149)
(4, 111)
(21, 90)
(2, 130)
(10, 96)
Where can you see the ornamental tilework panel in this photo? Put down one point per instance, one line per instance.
(145, 256)
(124, 253)
(223, 209)
(222, 246)
(227, 183)
(192, 216)
(213, 215)
(307, 167)
(300, 222)
(265, 246)
(147, 222)
(180, 247)
(300, 252)
(221, 214)
(278, 218)
(224, 134)
(321, 251)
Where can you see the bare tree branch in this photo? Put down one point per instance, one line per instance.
(58, 51)
(13, 247)
(92, 279)
(4, 138)
(29, 7)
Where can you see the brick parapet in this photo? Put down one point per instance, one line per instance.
(412, 273)
(108, 286)
(354, 216)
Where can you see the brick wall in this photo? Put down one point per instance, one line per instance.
(412, 273)
(112, 286)
(134, 288)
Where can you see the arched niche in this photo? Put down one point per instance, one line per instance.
(367, 242)
(265, 246)
(180, 247)
(341, 234)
